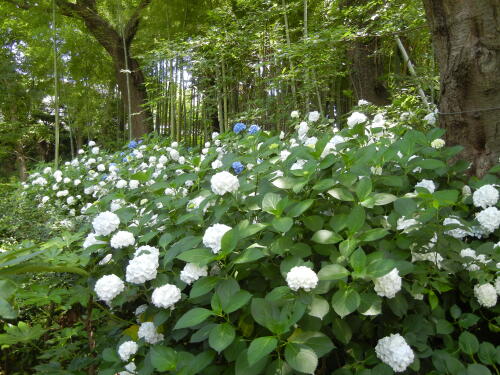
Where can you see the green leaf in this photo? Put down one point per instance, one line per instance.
(282, 224)
(341, 330)
(429, 164)
(229, 241)
(317, 341)
(405, 206)
(379, 267)
(345, 301)
(236, 301)
(299, 208)
(165, 239)
(301, 358)
(326, 237)
(363, 188)
(468, 343)
(221, 336)
(203, 286)
(199, 256)
(260, 347)
(193, 317)
(478, 369)
(6, 310)
(332, 272)
(373, 234)
(7, 288)
(285, 182)
(313, 223)
(446, 197)
(382, 199)
(341, 194)
(110, 355)
(325, 184)
(487, 353)
(270, 203)
(163, 358)
(22, 333)
(250, 255)
(356, 219)
(319, 307)
(242, 367)
(358, 261)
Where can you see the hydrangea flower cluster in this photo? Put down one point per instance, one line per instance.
(148, 332)
(388, 285)
(122, 239)
(192, 272)
(166, 296)
(105, 223)
(486, 196)
(213, 236)
(302, 277)
(224, 182)
(395, 352)
(486, 295)
(108, 287)
(239, 127)
(127, 349)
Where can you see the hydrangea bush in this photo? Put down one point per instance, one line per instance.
(360, 251)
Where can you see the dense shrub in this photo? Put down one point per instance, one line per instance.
(361, 251)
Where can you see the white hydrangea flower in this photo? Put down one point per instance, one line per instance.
(489, 219)
(105, 260)
(192, 272)
(331, 146)
(472, 265)
(108, 287)
(105, 223)
(466, 191)
(303, 129)
(294, 114)
(91, 143)
(120, 184)
(356, 118)
(95, 150)
(91, 240)
(430, 118)
(224, 182)
(122, 239)
(395, 352)
(427, 184)
(127, 350)
(388, 285)
(166, 296)
(213, 236)
(131, 367)
(457, 232)
(438, 143)
(148, 332)
(141, 309)
(133, 184)
(362, 102)
(216, 164)
(299, 164)
(302, 277)
(433, 257)
(313, 116)
(485, 196)
(284, 154)
(486, 295)
(141, 269)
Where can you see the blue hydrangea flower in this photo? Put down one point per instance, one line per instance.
(132, 144)
(238, 167)
(122, 153)
(104, 176)
(253, 129)
(239, 127)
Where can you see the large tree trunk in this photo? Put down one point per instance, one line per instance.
(117, 44)
(466, 38)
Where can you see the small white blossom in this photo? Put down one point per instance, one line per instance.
(313, 116)
(356, 118)
(388, 285)
(166, 296)
(489, 219)
(122, 239)
(294, 114)
(486, 295)
(395, 352)
(485, 196)
(427, 184)
(438, 143)
(192, 272)
(213, 236)
(105, 223)
(127, 350)
(108, 287)
(224, 182)
(148, 332)
(141, 269)
(302, 277)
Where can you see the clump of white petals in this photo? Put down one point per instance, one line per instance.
(105, 223)
(456, 232)
(406, 225)
(438, 143)
(485, 196)
(224, 182)
(486, 295)
(166, 296)
(427, 184)
(388, 285)
(313, 116)
(489, 219)
(148, 332)
(356, 118)
(127, 350)
(122, 239)
(213, 236)
(192, 272)
(302, 277)
(395, 352)
(141, 269)
(91, 240)
(108, 287)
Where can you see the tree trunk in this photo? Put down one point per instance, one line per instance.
(365, 72)
(466, 38)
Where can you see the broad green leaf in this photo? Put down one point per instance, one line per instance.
(468, 343)
(477, 369)
(319, 307)
(299, 208)
(341, 330)
(301, 358)
(261, 347)
(7, 288)
(345, 301)
(355, 219)
(405, 206)
(358, 261)
(249, 255)
(363, 188)
(221, 336)
(165, 239)
(317, 341)
(380, 267)
(22, 333)
(326, 237)
(193, 317)
(243, 367)
(270, 203)
(282, 224)
(382, 199)
(324, 184)
(203, 286)
(332, 272)
(236, 301)
(373, 234)
(163, 358)
(341, 194)
(199, 256)
(6, 310)
(285, 182)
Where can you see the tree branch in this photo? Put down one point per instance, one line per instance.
(132, 24)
